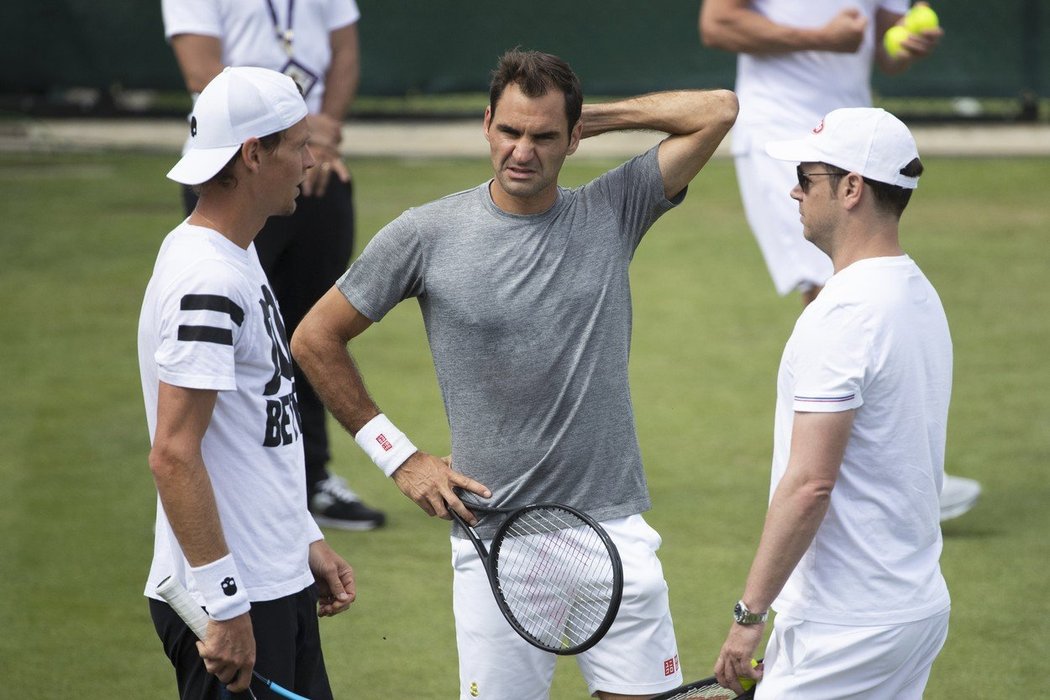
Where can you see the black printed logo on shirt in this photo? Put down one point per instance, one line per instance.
(283, 423)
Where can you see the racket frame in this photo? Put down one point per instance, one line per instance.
(490, 563)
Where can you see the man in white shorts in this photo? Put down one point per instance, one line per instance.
(525, 295)
(849, 554)
(796, 62)
(227, 449)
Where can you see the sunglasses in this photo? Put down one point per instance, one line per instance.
(805, 179)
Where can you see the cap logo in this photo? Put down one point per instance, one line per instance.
(819, 127)
(193, 126)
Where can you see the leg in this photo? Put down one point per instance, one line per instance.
(494, 662)
(619, 666)
(180, 646)
(818, 661)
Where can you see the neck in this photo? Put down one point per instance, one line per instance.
(868, 240)
(225, 216)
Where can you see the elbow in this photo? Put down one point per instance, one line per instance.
(164, 462)
(300, 344)
(712, 36)
(727, 109)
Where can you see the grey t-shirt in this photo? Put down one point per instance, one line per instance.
(529, 323)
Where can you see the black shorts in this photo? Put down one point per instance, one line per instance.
(287, 650)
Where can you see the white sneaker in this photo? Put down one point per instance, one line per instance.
(958, 495)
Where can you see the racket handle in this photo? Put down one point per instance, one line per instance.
(175, 595)
(180, 600)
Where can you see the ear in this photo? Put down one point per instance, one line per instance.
(852, 190)
(574, 137)
(487, 122)
(251, 154)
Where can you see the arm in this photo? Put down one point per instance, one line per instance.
(340, 90)
(199, 58)
(696, 120)
(914, 48)
(798, 506)
(319, 346)
(731, 25)
(186, 494)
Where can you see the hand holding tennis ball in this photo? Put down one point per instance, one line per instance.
(894, 37)
(920, 18)
(747, 682)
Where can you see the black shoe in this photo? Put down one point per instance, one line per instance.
(333, 504)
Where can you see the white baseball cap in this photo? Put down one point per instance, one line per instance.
(864, 140)
(238, 104)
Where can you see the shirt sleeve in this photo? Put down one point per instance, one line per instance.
(831, 362)
(388, 271)
(191, 17)
(636, 190)
(340, 13)
(202, 314)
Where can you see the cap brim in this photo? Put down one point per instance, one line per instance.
(795, 150)
(201, 164)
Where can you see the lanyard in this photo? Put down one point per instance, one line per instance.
(284, 36)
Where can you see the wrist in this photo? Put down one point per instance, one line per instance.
(743, 615)
(220, 583)
(386, 446)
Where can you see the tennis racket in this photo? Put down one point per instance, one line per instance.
(709, 688)
(704, 688)
(196, 619)
(554, 572)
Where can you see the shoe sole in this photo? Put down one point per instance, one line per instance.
(349, 525)
(957, 509)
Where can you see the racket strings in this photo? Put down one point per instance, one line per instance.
(556, 575)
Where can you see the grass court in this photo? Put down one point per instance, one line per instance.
(80, 234)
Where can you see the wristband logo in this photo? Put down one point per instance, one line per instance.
(384, 443)
(229, 586)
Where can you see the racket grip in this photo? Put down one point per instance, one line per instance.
(175, 595)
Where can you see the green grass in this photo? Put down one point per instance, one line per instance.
(79, 237)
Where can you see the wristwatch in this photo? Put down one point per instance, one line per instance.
(743, 616)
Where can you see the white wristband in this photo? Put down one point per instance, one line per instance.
(220, 584)
(384, 444)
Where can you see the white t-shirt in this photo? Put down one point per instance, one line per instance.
(210, 321)
(250, 38)
(876, 340)
(784, 94)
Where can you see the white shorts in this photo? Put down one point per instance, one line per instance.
(794, 263)
(812, 660)
(638, 656)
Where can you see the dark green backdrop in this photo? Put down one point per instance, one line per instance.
(992, 49)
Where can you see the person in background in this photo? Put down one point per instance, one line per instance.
(796, 62)
(316, 44)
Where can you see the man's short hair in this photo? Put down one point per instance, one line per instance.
(889, 198)
(537, 73)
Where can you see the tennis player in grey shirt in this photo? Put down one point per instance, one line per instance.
(525, 295)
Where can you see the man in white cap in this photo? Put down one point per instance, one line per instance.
(227, 454)
(849, 555)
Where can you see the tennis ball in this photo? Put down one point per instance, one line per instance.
(747, 682)
(893, 38)
(920, 18)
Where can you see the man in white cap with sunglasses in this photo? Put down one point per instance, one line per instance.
(849, 555)
(227, 452)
